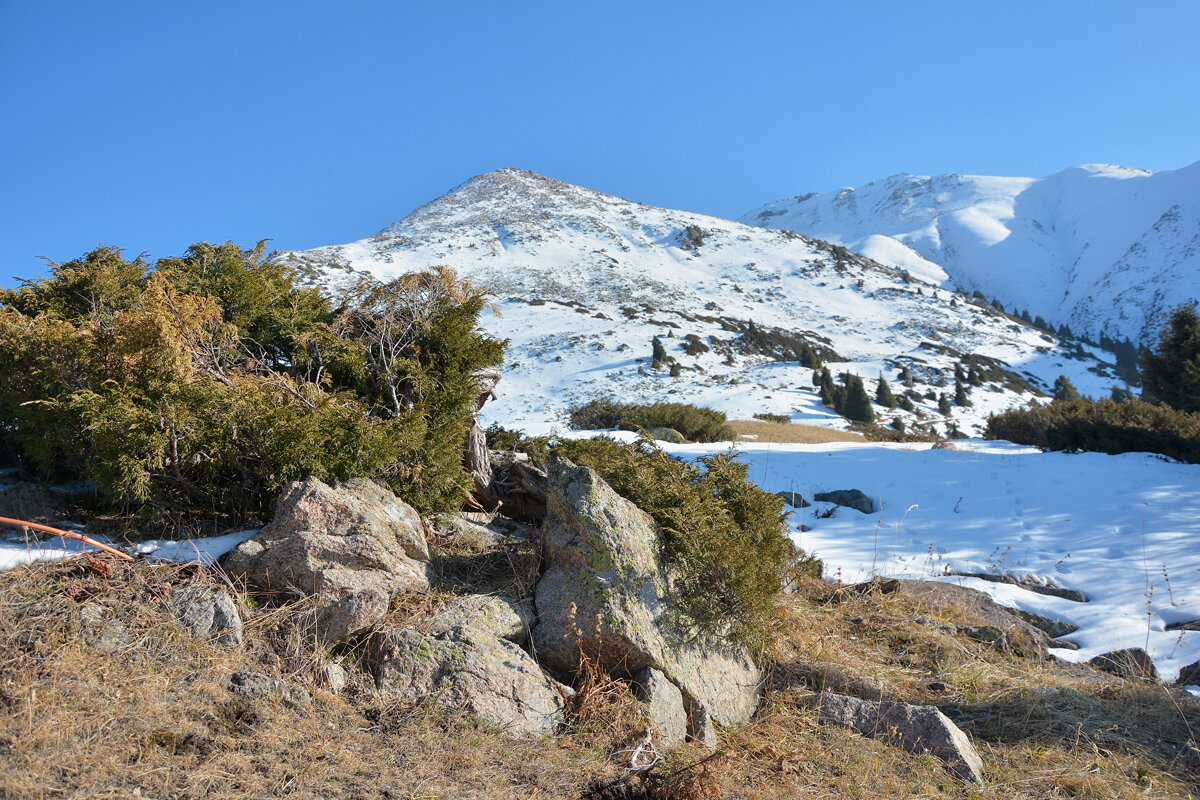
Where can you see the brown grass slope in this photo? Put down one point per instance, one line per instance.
(148, 716)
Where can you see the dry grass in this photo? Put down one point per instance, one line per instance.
(152, 715)
(784, 432)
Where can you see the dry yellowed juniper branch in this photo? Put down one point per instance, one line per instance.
(20, 523)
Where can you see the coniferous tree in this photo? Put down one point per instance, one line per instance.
(659, 353)
(944, 405)
(960, 394)
(883, 394)
(675, 369)
(1025, 317)
(856, 403)
(1064, 389)
(827, 395)
(1171, 373)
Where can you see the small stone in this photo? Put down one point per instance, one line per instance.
(260, 687)
(1134, 663)
(335, 677)
(210, 614)
(850, 498)
(794, 499)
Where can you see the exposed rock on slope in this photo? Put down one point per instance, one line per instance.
(604, 578)
(352, 547)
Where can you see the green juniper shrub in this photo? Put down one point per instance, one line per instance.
(1102, 426)
(766, 417)
(201, 384)
(695, 423)
(723, 535)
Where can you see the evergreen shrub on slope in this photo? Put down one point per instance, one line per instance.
(695, 423)
(215, 379)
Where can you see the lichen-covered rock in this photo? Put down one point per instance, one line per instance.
(210, 614)
(351, 547)
(468, 670)
(918, 729)
(664, 703)
(1134, 663)
(102, 632)
(602, 554)
(261, 687)
(498, 616)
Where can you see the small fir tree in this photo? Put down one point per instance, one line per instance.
(1064, 389)
(1171, 374)
(883, 394)
(658, 352)
(944, 405)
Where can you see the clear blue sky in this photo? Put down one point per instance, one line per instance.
(152, 125)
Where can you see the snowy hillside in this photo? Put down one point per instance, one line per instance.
(1097, 247)
(584, 280)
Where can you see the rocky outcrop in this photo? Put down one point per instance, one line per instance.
(467, 670)
(850, 498)
(1005, 627)
(918, 729)
(498, 616)
(210, 614)
(604, 577)
(1134, 663)
(352, 548)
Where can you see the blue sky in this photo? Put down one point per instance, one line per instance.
(152, 125)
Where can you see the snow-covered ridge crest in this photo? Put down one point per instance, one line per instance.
(1101, 248)
(584, 280)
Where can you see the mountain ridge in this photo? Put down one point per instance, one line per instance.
(585, 280)
(1105, 249)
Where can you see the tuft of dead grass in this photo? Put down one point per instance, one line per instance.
(784, 432)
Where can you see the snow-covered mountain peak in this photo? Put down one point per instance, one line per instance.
(585, 280)
(1105, 249)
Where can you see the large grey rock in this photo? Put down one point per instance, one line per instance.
(918, 729)
(1133, 662)
(602, 557)
(850, 498)
(352, 547)
(468, 670)
(210, 614)
(498, 616)
(664, 702)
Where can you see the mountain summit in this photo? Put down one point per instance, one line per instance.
(585, 281)
(1101, 248)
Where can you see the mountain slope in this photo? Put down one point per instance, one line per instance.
(584, 280)
(1097, 247)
